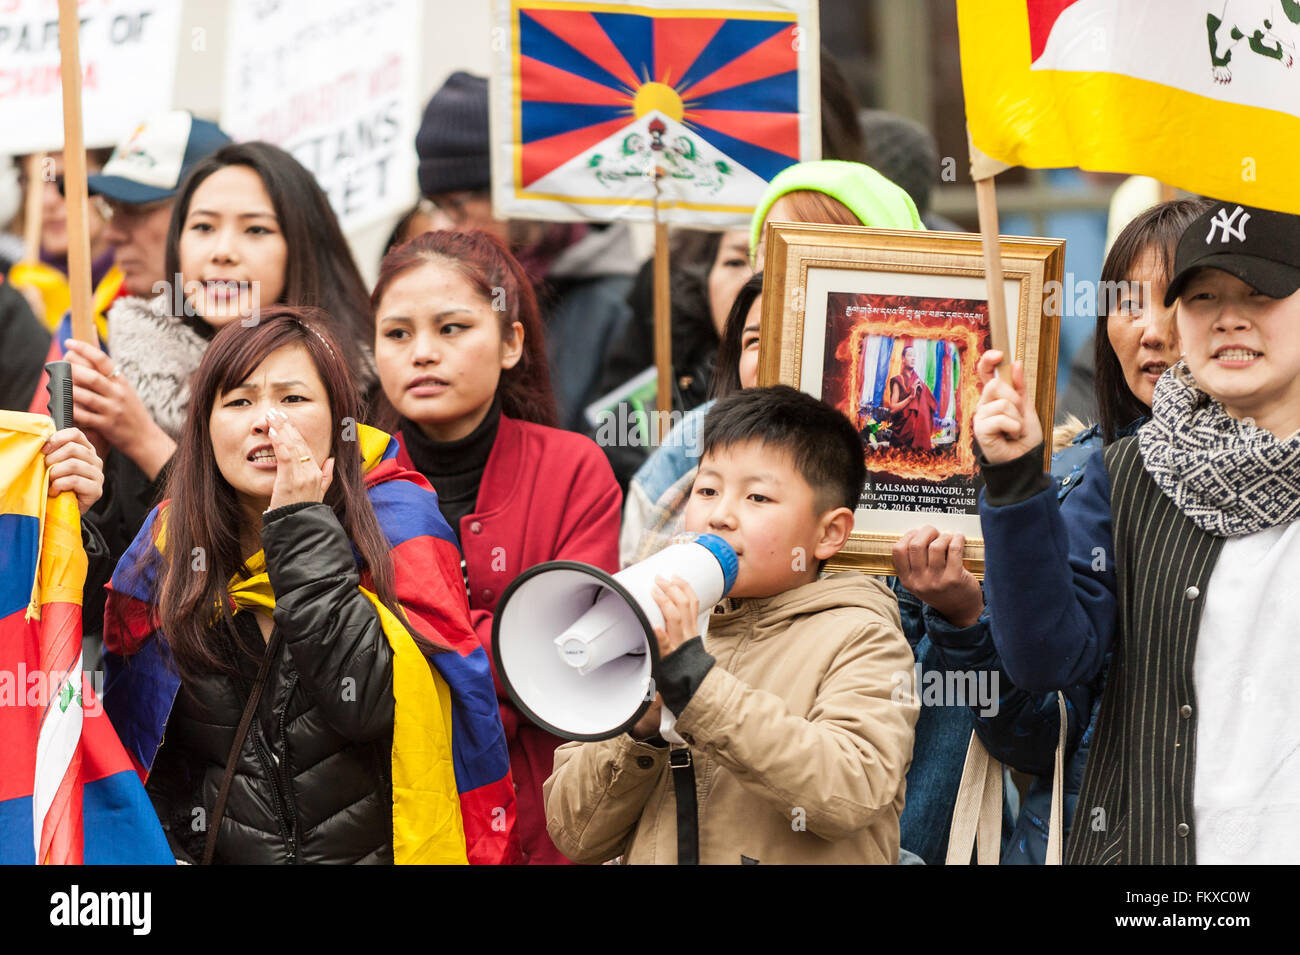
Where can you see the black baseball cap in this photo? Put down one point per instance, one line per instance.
(1258, 246)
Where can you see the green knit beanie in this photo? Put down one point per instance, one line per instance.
(870, 196)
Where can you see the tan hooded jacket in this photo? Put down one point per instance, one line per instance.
(799, 747)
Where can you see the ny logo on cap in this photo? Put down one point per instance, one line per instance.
(1224, 221)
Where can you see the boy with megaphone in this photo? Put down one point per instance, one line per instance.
(796, 746)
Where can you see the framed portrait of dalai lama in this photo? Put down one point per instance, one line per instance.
(888, 326)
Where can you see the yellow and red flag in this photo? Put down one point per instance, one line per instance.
(1201, 95)
(68, 792)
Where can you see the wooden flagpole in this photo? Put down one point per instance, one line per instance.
(34, 208)
(982, 169)
(663, 319)
(986, 202)
(74, 175)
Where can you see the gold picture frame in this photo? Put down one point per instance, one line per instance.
(844, 307)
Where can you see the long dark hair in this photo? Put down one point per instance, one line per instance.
(484, 262)
(319, 271)
(203, 506)
(726, 367)
(1157, 229)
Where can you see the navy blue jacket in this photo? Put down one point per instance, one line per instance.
(1050, 574)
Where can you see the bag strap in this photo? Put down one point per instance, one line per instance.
(246, 720)
(688, 836)
(978, 810)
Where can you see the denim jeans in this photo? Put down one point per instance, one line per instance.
(942, 736)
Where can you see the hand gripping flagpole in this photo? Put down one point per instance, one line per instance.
(56, 797)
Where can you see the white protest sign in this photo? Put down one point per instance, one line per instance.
(128, 60)
(333, 82)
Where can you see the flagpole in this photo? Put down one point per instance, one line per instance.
(74, 175)
(34, 208)
(662, 318)
(982, 170)
(986, 202)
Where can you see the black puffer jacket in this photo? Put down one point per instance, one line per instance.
(313, 778)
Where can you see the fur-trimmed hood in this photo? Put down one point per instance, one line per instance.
(158, 354)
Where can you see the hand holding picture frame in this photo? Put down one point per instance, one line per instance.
(888, 326)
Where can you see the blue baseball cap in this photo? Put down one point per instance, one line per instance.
(154, 160)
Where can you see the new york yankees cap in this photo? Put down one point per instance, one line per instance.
(1258, 246)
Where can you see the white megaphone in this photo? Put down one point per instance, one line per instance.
(575, 646)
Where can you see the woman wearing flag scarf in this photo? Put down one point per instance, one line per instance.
(912, 405)
(462, 358)
(278, 617)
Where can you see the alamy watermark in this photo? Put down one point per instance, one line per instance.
(977, 689)
(629, 426)
(133, 910)
(1080, 299)
(44, 688)
(245, 296)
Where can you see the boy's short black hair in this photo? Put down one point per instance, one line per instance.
(825, 447)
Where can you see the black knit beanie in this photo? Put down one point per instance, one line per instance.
(453, 139)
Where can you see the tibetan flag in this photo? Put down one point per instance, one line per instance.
(68, 792)
(1203, 96)
(465, 815)
(590, 99)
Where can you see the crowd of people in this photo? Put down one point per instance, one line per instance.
(302, 502)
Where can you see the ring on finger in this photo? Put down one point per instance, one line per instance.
(304, 459)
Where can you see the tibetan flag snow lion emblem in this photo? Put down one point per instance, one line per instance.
(1201, 94)
(592, 101)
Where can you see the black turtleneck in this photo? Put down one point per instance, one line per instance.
(454, 468)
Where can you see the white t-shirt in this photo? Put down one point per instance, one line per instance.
(1247, 673)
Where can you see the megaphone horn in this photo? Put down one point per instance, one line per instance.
(575, 646)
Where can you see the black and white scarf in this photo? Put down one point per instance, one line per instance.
(1227, 475)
